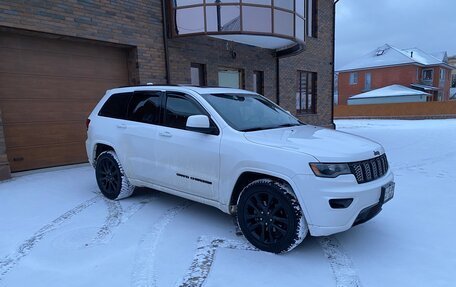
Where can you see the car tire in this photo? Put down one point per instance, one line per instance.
(270, 216)
(111, 179)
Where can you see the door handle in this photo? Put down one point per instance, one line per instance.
(121, 126)
(165, 134)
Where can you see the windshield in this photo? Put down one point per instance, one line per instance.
(249, 112)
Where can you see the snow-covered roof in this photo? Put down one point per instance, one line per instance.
(388, 55)
(425, 87)
(390, 91)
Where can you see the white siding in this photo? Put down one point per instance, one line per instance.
(388, 100)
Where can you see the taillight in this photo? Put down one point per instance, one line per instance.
(87, 123)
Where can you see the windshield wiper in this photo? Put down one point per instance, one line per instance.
(256, 129)
(288, 125)
(269, 128)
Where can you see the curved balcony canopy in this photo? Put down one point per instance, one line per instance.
(272, 24)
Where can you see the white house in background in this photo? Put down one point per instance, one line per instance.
(388, 95)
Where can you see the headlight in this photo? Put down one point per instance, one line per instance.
(330, 169)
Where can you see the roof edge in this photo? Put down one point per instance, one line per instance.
(381, 67)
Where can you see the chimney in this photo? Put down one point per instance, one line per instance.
(411, 54)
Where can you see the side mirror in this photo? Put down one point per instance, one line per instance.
(199, 123)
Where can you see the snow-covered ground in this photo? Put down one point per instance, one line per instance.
(56, 230)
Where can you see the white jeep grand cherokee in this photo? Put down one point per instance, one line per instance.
(241, 153)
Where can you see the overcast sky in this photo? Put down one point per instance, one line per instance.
(364, 25)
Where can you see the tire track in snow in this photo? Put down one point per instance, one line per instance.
(9, 261)
(143, 268)
(204, 258)
(341, 264)
(113, 219)
(116, 216)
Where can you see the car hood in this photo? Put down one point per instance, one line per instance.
(325, 145)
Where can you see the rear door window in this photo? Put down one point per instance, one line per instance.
(116, 106)
(144, 107)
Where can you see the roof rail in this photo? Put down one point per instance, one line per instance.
(146, 85)
(170, 85)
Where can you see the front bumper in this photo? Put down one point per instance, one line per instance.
(314, 194)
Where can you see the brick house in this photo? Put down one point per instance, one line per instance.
(387, 65)
(58, 57)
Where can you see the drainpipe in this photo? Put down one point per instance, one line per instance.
(165, 40)
(277, 80)
(333, 63)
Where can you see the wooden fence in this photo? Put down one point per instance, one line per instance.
(400, 110)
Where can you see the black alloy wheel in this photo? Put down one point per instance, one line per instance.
(270, 217)
(266, 217)
(108, 175)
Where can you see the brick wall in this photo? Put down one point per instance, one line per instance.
(381, 77)
(215, 53)
(317, 58)
(446, 85)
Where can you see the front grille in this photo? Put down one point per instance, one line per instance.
(369, 170)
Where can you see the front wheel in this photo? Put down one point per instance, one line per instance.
(111, 179)
(270, 217)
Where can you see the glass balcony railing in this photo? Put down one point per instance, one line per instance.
(272, 24)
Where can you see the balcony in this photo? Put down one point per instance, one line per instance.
(278, 25)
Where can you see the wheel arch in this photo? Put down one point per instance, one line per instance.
(100, 147)
(249, 176)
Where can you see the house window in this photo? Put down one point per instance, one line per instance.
(312, 18)
(306, 95)
(231, 78)
(258, 82)
(368, 81)
(442, 75)
(453, 81)
(428, 74)
(354, 78)
(198, 74)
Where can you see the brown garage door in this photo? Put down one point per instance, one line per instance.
(48, 87)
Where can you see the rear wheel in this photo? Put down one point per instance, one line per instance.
(270, 217)
(111, 178)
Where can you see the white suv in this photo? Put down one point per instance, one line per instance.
(239, 152)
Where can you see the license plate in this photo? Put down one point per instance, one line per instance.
(388, 191)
